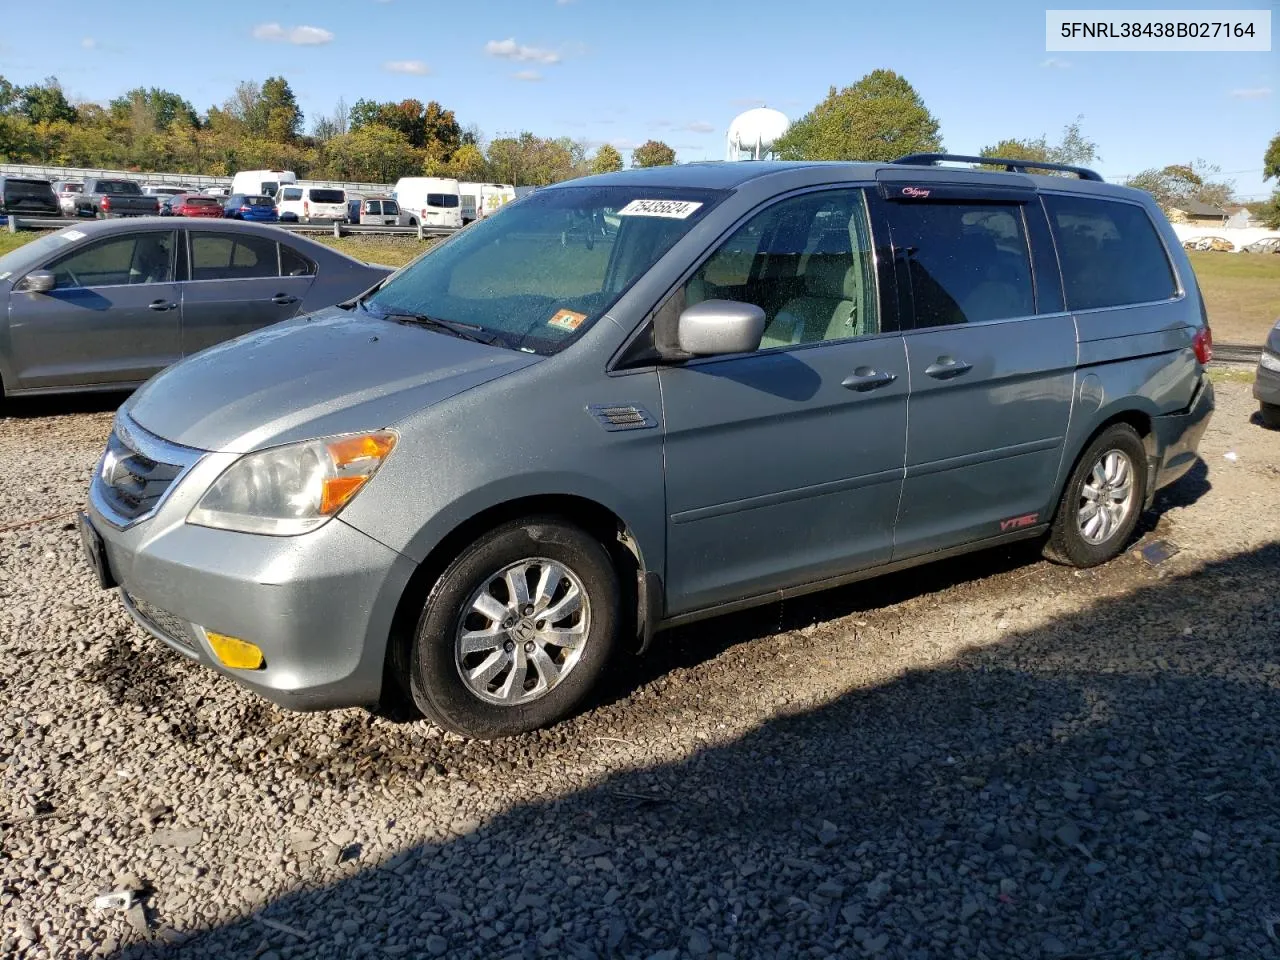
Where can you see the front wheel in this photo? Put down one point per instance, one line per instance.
(1103, 499)
(517, 631)
(1270, 414)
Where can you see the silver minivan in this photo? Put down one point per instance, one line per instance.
(636, 400)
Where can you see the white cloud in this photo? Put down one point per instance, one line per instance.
(301, 36)
(89, 43)
(1252, 93)
(1055, 63)
(415, 68)
(528, 76)
(510, 50)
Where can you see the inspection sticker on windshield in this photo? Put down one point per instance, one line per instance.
(567, 319)
(72, 235)
(671, 209)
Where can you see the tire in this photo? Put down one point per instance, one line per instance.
(1270, 414)
(504, 698)
(1078, 542)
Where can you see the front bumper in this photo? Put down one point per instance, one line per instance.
(1177, 435)
(1266, 386)
(320, 606)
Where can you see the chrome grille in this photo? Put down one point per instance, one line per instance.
(163, 622)
(136, 472)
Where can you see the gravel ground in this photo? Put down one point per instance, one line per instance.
(991, 757)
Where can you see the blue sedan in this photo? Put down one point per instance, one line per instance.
(240, 206)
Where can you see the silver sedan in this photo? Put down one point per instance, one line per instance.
(105, 305)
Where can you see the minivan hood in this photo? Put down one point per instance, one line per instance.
(331, 372)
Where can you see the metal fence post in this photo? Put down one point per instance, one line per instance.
(13, 223)
(337, 230)
(420, 230)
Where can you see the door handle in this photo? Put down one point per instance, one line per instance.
(865, 378)
(947, 367)
(283, 298)
(161, 305)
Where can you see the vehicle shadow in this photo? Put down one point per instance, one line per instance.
(1103, 784)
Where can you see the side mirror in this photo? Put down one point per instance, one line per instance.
(37, 281)
(720, 326)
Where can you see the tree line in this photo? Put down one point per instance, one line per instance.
(261, 126)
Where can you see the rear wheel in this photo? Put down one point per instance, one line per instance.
(1102, 501)
(517, 631)
(1270, 414)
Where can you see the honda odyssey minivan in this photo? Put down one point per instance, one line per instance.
(635, 400)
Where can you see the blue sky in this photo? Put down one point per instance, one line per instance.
(619, 71)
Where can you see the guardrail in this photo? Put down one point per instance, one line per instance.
(338, 229)
(51, 172)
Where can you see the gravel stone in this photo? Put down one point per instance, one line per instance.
(986, 757)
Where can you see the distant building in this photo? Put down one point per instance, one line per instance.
(1197, 213)
(1241, 216)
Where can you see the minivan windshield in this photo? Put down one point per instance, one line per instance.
(542, 270)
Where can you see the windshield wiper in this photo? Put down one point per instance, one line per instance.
(466, 331)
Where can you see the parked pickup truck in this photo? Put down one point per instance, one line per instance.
(115, 198)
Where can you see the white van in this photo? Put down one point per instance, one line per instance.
(478, 200)
(261, 183)
(312, 204)
(430, 201)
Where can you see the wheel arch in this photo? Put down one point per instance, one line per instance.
(641, 586)
(1136, 416)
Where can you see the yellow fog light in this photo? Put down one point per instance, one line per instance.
(234, 653)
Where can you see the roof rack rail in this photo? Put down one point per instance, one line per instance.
(1013, 166)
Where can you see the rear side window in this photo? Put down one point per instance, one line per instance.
(217, 256)
(1109, 252)
(446, 200)
(964, 262)
(294, 264)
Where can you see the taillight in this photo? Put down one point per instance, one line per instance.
(1203, 345)
(106, 203)
(244, 209)
(306, 206)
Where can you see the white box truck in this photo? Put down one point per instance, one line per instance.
(481, 199)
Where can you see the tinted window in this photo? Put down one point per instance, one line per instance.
(136, 258)
(390, 208)
(1109, 252)
(964, 262)
(198, 201)
(447, 200)
(269, 188)
(807, 262)
(121, 187)
(217, 256)
(294, 264)
(27, 188)
(373, 206)
(328, 196)
(291, 193)
(259, 201)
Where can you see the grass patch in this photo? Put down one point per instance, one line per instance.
(1221, 374)
(1241, 292)
(12, 241)
(389, 251)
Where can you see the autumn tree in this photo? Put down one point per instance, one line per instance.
(155, 107)
(881, 117)
(653, 153)
(532, 160)
(1180, 182)
(1271, 170)
(606, 160)
(1073, 148)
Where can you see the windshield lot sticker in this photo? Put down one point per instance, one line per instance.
(72, 235)
(567, 319)
(671, 209)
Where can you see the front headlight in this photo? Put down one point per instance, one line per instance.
(292, 489)
(1270, 361)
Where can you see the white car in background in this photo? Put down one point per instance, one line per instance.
(429, 201)
(312, 204)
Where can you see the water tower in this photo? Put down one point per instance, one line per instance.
(755, 132)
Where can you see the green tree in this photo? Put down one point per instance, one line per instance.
(46, 103)
(606, 160)
(373, 153)
(161, 107)
(1074, 148)
(531, 160)
(653, 153)
(881, 117)
(9, 96)
(1271, 159)
(282, 117)
(468, 163)
(1180, 182)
